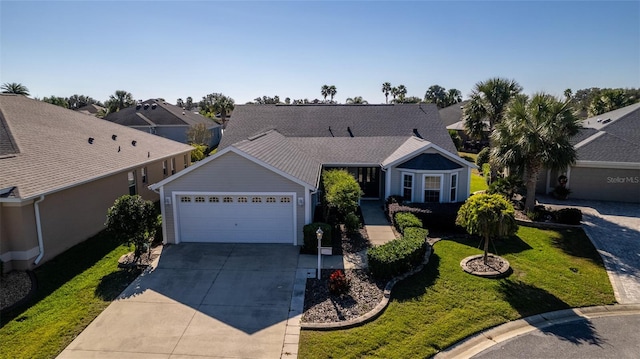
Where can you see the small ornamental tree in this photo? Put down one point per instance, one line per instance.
(341, 191)
(489, 216)
(132, 220)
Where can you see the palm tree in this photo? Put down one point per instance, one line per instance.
(402, 92)
(436, 94)
(189, 104)
(568, 94)
(15, 88)
(332, 91)
(386, 89)
(358, 100)
(119, 100)
(453, 96)
(324, 91)
(535, 135)
(223, 105)
(394, 93)
(179, 103)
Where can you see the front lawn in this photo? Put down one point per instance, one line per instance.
(442, 305)
(73, 289)
(478, 182)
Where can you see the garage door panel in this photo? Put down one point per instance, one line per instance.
(256, 219)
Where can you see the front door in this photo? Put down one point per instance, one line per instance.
(369, 181)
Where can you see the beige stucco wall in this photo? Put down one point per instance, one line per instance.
(605, 184)
(70, 216)
(232, 173)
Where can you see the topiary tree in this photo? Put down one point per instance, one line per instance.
(341, 191)
(489, 216)
(132, 220)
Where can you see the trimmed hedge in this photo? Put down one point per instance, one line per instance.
(310, 245)
(434, 216)
(404, 220)
(398, 256)
(568, 216)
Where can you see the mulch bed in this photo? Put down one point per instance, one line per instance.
(494, 263)
(14, 286)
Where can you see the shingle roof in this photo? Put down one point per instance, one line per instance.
(349, 150)
(55, 152)
(338, 121)
(617, 140)
(278, 151)
(432, 161)
(7, 143)
(452, 114)
(162, 114)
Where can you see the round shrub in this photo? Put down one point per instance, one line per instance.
(351, 222)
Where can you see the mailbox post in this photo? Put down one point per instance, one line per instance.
(319, 236)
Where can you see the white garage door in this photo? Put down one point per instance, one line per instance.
(236, 218)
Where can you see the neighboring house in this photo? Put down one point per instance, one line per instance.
(60, 170)
(452, 118)
(608, 165)
(91, 109)
(165, 120)
(263, 184)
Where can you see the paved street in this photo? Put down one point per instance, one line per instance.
(605, 337)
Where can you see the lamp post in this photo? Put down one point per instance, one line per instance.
(319, 233)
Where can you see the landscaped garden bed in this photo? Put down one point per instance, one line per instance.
(552, 270)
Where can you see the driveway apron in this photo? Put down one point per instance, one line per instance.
(204, 301)
(614, 229)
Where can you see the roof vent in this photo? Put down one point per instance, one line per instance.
(606, 121)
(133, 143)
(91, 140)
(349, 130)
(146, 106)
(138, 105)
(148, 154)
(153, 107)
(118, 148)
(113, 137)
(183, 113)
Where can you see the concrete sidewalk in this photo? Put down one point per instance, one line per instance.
(376, 223)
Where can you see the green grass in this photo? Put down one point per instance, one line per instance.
(441, 305)
(73, 289)
(478, 183)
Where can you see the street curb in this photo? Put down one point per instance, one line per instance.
(378, 309)
(487, 338)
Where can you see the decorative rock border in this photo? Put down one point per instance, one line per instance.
(378, 309)
(500, 272)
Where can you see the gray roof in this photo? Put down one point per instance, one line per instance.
(617, 140)
(54, 149)
(8, 145)
(452, 114)
(162, 114)
(349, 150)
(432, 161)
(279, 152)
(339, 121)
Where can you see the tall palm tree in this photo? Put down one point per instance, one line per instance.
(15, 88)
(119, 100)
(386, 89)
(179, 102)
(402, 92)
(358, 100)
(535, 135)
(489, 99)
(223, 105)
(332, 91)
(324, 91)
(394, 93)
(453, 96)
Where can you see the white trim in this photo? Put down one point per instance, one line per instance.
(589, 139)
(36, 209)
(616, 165)
(294, 206)
(468, 182)
(387, 182)
(241, 154)
(307, 207)
(439, 149)
(413, 183)
(163, 214)
(457, 174)
(20, 255)
(441, 185)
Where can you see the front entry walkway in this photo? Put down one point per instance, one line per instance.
(614, 229)
(203, 301)
(376, 223)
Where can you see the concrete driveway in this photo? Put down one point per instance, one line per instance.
(202, 300)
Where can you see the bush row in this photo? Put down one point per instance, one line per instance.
(398, 256)
(434, 216)
(404, 220)
(562, 216)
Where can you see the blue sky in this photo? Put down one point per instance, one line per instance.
(244, 49)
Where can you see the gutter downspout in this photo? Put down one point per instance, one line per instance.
(36, 208)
